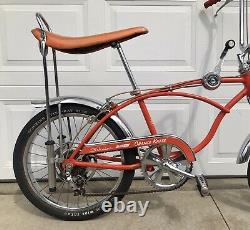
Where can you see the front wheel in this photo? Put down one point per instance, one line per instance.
(248, 173)
(31, 169)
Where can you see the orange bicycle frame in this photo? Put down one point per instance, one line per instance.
(98, 148)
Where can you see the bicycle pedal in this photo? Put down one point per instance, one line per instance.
(202, 185)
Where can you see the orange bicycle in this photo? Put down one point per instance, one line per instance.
(78, 153)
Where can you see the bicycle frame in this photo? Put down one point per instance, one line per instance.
(97, 148)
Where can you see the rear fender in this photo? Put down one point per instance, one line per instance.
(88, 102)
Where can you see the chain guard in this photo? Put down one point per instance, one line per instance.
(160, 161)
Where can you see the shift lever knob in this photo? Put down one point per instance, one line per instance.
(228, 45)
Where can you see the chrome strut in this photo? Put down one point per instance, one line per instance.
(50, 142)
(41, 21)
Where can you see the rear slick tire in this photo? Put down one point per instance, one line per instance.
(43, 200)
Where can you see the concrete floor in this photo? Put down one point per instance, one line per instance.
(228, 207)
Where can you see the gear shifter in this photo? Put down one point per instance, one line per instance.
(211, 80)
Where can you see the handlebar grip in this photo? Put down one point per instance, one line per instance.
(210, 3)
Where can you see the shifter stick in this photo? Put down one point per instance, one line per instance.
(211, 80)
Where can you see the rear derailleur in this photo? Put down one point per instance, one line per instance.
(77, 182)
(78, 177)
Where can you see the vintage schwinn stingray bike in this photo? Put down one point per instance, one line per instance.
(77, 152)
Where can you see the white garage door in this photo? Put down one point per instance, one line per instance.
(184, 43)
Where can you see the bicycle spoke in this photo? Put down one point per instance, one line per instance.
(46, 139)
(107, 182)
(61, 185)
(106, 174)
(87, 201)
(39, 145)
(56, 127)
(81, 131)
(69, 128)
(106, 137)
(97, 133)
(66, 126)
(76, 128)
(40, 178)
(44, 188)
(68, 195)
(82, 123)
(40, 169)
(78, 198)
(88, 128)
(36, 163)
(37, 154)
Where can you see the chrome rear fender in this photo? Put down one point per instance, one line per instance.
(88, 102)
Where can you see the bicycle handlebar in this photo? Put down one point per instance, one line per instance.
(210, 3)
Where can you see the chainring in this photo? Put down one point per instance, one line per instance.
(160, 177)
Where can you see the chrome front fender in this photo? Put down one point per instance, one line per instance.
(244, 153)
(89, 102)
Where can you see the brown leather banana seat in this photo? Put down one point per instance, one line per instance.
(88, 44)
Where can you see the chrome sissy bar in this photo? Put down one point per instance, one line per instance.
(50, 142)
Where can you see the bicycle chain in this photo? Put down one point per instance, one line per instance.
(135, 192)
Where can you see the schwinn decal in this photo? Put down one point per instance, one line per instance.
(150, 142)
(131, 144)
(122, 146)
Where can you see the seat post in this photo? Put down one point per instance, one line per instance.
(117, 45)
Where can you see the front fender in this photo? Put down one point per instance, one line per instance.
(244, 151)
(85, 101)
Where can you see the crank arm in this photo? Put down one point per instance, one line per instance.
(170, 167)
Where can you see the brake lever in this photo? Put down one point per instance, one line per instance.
(222, 6)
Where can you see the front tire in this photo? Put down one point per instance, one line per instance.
(30, 157)
(248, 173)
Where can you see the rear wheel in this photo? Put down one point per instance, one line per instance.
(31, 169)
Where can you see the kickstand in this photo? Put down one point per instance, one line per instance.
(202, 185)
